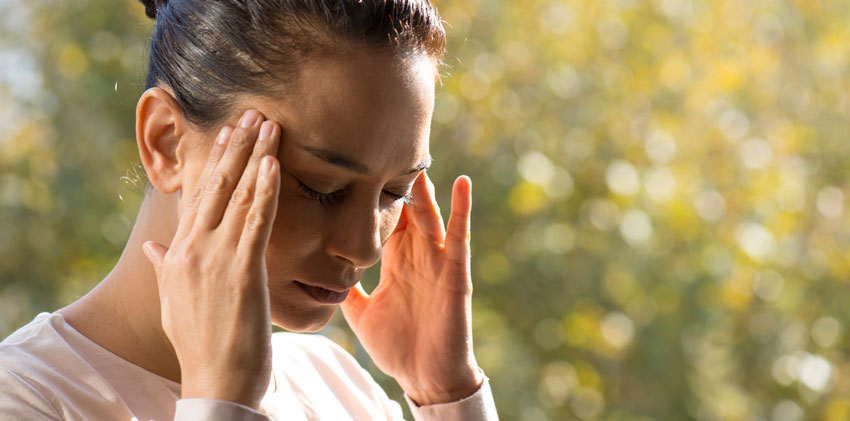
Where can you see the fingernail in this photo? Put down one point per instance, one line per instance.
(248, 119)
(266, 130)
(266, 165)
(223, 135)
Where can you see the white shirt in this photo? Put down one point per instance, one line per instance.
(49, 370)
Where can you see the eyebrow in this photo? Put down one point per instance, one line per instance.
(354, 166)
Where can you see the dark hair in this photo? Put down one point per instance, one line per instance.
(211, 51)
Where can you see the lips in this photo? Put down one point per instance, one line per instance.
(324, 295)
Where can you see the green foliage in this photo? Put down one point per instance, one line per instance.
(659, 227)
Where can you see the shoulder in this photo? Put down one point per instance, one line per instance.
(24, 372)
(29, 347)
(47, 367)
(20, 399)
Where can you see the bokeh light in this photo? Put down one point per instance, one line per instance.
(659, 228)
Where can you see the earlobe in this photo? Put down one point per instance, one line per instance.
(160, 126)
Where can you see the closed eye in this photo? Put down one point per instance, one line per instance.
(406, 198)
(325, 199)
(328, 199)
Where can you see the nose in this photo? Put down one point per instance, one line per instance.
(357, 235)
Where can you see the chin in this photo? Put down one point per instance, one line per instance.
(304, 321)
(294, 310)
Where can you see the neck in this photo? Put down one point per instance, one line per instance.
(122, 314)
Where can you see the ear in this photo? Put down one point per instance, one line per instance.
(160, 127)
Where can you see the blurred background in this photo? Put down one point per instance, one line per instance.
(659, 187)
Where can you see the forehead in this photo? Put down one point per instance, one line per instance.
(371, 106)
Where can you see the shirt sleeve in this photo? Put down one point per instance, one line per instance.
(199, 409)
(479, 406)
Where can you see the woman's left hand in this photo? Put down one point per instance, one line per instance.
(416, 325)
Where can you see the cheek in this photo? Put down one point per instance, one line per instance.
(392, 220)
(296, 234)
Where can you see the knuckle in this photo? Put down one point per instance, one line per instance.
(216, 183)
(452, 237)
(213, 159)
(240, 139)
(209, 266)
(264, 191)
(241, 196)
(460, 237)
(186, 256)
(255, 221)
(195, 196)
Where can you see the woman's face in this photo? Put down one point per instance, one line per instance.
(354, 138)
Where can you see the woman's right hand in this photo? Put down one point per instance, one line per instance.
(212, 279)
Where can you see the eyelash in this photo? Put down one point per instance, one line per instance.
(323, 198)
(327, 199)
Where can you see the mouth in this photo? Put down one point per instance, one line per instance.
(324, 295)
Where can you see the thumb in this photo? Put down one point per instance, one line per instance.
(354, 305)
(155, 252)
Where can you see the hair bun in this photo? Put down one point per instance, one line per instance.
(151, 6)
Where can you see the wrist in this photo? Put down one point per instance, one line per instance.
(431, 392)
(244, 391)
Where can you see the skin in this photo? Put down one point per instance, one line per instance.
(213, 269)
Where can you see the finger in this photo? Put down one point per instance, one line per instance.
(190, 209)
(424, 213)
(354, 305)
(433, 194)
(243, 195)
(155, 252)
(222, 181)
(457, 234)
(258, 224)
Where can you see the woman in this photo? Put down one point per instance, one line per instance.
(300, 131)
